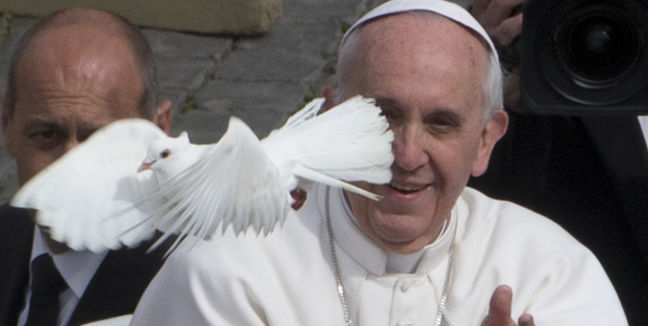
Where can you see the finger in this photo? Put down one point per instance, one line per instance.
(499, 311)
(497, 11)
(526, 320)
(508, 30)
(500, 304)
(299, 196)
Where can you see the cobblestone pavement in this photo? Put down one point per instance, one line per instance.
(212, 77)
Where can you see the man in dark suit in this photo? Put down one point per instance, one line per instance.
(587, 173)
(73, 72)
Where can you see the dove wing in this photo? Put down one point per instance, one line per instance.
(86, 198)
(309, 111)
(234, 183)
(349, 142)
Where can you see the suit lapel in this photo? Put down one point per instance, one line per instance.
(16, 235)
(119, 282)
(114, 290)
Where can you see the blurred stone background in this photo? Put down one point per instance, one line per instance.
(260, 78)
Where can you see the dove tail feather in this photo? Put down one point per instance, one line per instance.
(327, 180)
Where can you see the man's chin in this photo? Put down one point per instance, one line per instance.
(402, 247)
(398, 233)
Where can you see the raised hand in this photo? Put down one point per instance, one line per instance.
(499, 312)
(502, 19)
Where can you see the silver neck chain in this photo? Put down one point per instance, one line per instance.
(346, 309)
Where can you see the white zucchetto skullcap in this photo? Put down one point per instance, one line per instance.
(446, 9)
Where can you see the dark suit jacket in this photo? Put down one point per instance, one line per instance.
(114, 290)
(590, 175)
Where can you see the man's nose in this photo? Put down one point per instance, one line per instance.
(409, 153)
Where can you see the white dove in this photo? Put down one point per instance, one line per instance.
(129, 178)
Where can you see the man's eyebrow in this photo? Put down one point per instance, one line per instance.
(42, 123)
(450, 115)
(440, 112)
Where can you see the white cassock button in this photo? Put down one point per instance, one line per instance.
(405, 323)
(407, 284)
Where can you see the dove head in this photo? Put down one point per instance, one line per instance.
(165, 155)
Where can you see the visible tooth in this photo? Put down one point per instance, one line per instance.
(405, 187)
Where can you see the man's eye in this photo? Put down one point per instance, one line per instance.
(47, 134)
(442, 125)
(43, 135)
(46, 139)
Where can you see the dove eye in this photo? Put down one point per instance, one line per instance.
(165, 153)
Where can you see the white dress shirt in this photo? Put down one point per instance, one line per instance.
(77, 269)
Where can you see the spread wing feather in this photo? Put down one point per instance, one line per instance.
(239, 182)
(350, 142)
(234, 184)
(78, 196)
(242, 182)
(310, 110)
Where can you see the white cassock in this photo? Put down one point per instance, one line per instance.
(287, 278)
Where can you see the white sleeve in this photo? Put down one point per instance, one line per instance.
(553, 276)
(191, 289)
(572, 289)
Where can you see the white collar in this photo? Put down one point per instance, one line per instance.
(76, 267)
(369, 255)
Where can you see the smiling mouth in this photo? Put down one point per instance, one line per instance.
(407, 188)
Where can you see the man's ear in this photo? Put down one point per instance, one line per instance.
(493, 131)
(327, 94)
(163, 116)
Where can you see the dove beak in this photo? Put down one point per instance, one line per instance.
(145, 165)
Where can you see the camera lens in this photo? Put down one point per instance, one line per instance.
(597, 45)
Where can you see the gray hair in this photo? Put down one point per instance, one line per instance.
(140, 47)
(491, 84)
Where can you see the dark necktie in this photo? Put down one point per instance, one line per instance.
(47, 284)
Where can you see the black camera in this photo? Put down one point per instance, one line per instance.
(584, 57)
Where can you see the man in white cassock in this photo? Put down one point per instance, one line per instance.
(432, 251)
